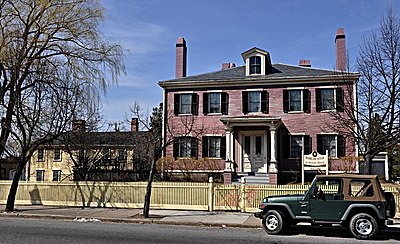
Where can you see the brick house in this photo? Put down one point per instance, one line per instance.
(257, 119)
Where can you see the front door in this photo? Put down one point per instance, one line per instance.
(253, 152)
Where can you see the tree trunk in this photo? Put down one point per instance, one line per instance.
(13, 189)
(146, 207)
(368, 164)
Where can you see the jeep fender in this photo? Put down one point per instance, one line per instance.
(370, 206)
(266, 208)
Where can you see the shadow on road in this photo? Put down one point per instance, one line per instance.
(384, 234)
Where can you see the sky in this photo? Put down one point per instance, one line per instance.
(218, 31)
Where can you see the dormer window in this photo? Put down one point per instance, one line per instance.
(255, 65)
(258, 62)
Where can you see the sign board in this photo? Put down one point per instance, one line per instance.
(315, 162)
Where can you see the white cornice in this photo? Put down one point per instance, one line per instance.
(258, 81)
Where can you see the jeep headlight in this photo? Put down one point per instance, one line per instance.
(265, 200)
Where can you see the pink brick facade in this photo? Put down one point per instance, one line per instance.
(262, 133)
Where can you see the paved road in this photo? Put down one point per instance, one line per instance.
(15, 230)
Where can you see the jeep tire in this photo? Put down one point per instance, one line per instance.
(274, 222)
(363, 226)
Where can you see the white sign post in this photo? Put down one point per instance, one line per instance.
(314, 161)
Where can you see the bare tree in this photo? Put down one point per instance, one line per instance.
(53, 66)
(374, 121)
(182, 126)
(154, 143)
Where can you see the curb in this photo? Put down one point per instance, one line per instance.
(124, 220)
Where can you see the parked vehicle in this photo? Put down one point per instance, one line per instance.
(357, 202)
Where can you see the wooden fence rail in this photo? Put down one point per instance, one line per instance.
(165, 195)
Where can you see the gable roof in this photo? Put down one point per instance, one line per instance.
(278, 72)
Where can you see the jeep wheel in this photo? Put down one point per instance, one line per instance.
(274, 222)
(363, 226)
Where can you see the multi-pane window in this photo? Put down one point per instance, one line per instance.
(56, 175)
(255, 101)
(57, 154)
(296, 100)
(186, 103)
(40, 155)
(185, 147)
(296, 144)
(214, 147)
(334, 144)
(215, 103)
(255, 65)
(122, 155)
(106, 156)
(39, 175)
(329, 99)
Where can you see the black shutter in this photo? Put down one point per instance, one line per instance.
(195, 104)
(176, 103)
(245, 102)
(286, 146)
(339, 100)
(223, 147)
(307, 144)
(205, 147)
(264, 102)
(306, 101)
(224, 103)
(205, 103)
(176, 147)
(318, 100)
(193, 152)
(341, 146)
(320, 146)
(285, 101)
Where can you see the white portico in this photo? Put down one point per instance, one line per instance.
(251, 144)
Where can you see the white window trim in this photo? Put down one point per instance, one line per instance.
(184, 92)
(262, 64)
(191, 102)
(334, 100)
(57, 160)
(326, 87)
(301, 101)
(255, 89)
(298, 134)
(220, 104)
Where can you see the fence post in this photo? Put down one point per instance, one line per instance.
(242, 203)
(211, 194)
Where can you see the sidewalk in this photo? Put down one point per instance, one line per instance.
(174, 217)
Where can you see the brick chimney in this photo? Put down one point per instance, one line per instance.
(340, 41)
(134, 125)
(79, 125)
(181, 53)
(228, 66)
(305, 63)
